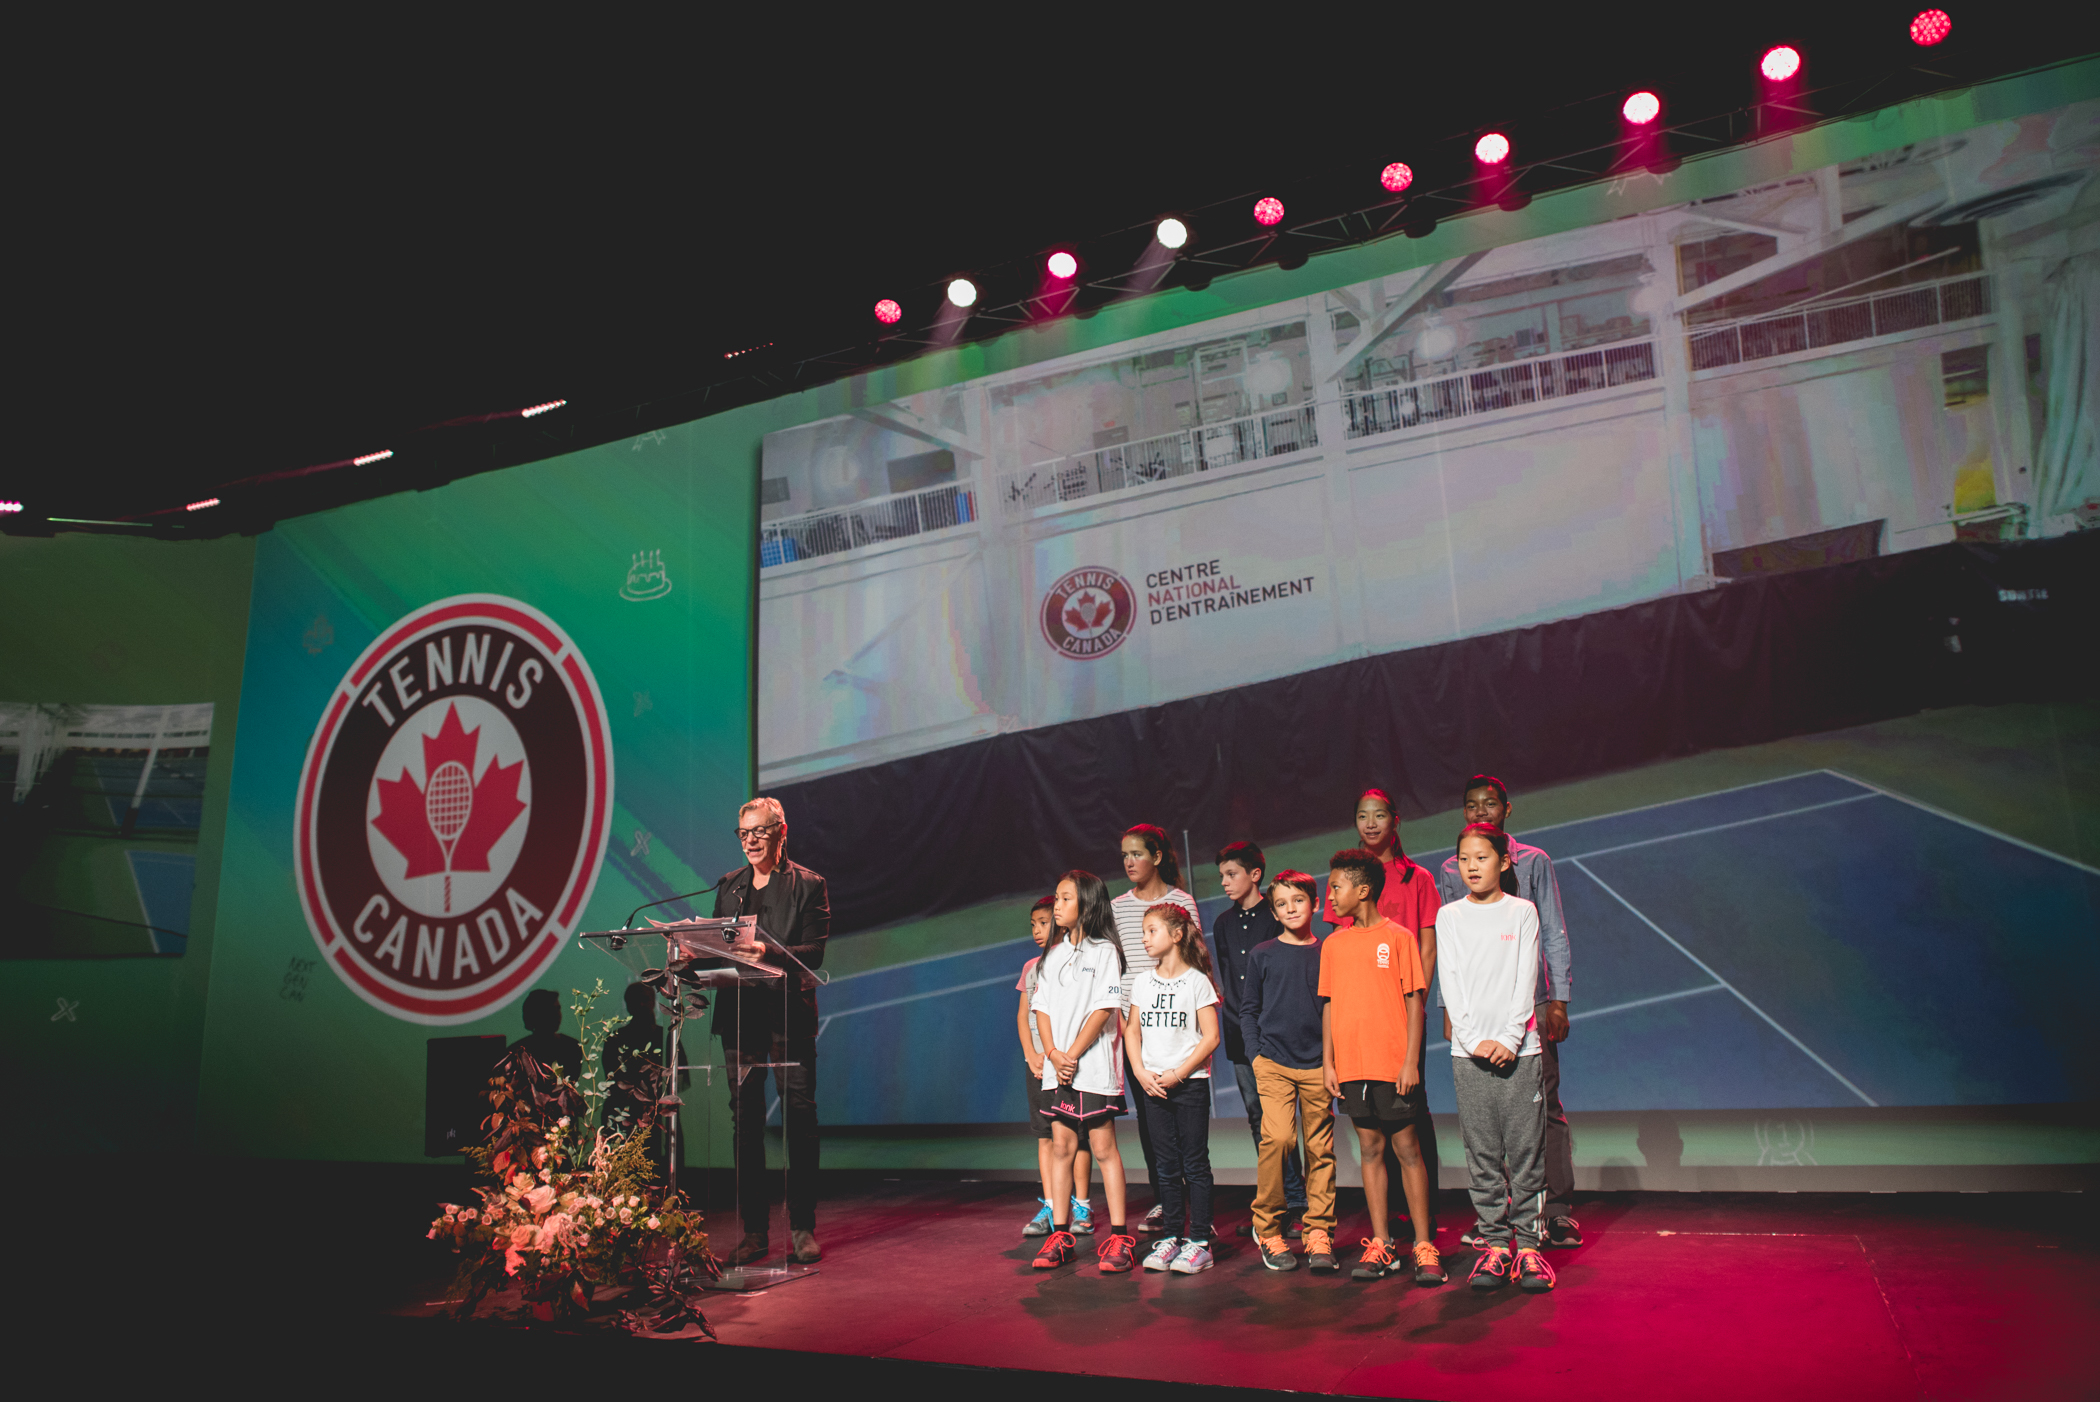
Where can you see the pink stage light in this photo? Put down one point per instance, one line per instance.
(1492, 149)
(200, 505)
(1642, 108)
(1780, 64)
(888, 312)
(1930, 27)
(1062, 265)
(8, 508)
(538, 409)
(369, 458)
(1396, 177)
(1268, 211)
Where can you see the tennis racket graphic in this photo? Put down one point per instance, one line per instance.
(448, 802)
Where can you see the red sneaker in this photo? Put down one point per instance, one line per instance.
(1119, 1252)
(1057, 1251)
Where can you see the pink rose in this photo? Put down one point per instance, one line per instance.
(521, 1236)
(540, 1199)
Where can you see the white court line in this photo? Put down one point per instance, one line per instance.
(1690, 798)
(923, 959)
(1938, 812)
(1721, 827)
(1716, 976)
(928, 993)
(1622, 1007)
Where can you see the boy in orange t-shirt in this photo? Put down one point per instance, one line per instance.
(1372, 983)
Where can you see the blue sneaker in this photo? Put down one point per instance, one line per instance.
(1163, 1252)
(1082, 1217)
(1040, 1224)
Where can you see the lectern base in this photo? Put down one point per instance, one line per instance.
(745, 1280)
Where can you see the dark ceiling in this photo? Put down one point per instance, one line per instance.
(245, 251)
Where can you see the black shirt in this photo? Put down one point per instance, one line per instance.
(1233, 936)
(794, 911)
(1280, 1008)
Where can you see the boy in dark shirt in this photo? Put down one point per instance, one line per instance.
(1247, 920)
(1281, 1029)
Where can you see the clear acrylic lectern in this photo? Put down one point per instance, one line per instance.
(683, 960)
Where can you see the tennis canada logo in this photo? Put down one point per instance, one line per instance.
(1385, 956)
(454, 808)
(1088, 613)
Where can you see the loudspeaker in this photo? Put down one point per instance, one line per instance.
(456, 1092)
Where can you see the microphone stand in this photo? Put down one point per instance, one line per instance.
(628, 923)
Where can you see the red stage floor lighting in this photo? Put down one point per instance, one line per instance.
(1930, 27)
(1062, 266)
(888, 312)
(1268, 211)
(1780, 63)
(1492, 149)
(1396, 177)
(1642, 108)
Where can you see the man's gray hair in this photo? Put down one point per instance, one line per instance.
(771, 807)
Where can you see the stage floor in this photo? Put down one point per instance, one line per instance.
(1726, 1296)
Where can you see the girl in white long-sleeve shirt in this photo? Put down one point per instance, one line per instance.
(1488, 959)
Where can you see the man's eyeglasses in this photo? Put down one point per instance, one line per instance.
(764, 834)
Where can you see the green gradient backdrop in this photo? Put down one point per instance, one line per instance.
(326, 1075)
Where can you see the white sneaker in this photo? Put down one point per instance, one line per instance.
(1164, 1255)
(1194, 1256)
(1155, 1220)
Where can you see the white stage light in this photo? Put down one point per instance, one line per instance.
(200, 505)
(541, 408)
(369, 458)
(9, 507)
(1171, 233)
(962, 292)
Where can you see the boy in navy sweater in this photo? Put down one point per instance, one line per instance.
(1280, 1025)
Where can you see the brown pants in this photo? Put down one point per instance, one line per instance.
(1286, 1095)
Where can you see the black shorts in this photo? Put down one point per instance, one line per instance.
(1039, 1106)
(1081, 1109)
(1379, 1105)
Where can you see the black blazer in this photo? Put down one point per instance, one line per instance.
(808, 924)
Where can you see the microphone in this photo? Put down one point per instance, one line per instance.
(651, 905)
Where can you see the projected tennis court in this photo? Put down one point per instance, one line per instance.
(1806, 942)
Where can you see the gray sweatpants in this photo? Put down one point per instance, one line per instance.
(1502, 1114)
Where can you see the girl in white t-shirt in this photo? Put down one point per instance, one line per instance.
(1171, 1032)
(1078, 1004)
(1154, 873)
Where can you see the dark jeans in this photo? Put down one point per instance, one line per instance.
(1560, 1144)
(1293, 1174)
(1131, 1095)
(1181, 1154)
(798, 1110)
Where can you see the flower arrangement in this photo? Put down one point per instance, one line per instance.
(570, 1210)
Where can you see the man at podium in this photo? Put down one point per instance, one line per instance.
(794, 912)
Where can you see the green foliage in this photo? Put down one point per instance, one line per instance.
(570, 1209)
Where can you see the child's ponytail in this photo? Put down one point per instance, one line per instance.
(1097, 919)
(1188, 935)
(1161, 850)
(1499, 840)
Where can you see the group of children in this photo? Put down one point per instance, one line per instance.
(1126, 1006)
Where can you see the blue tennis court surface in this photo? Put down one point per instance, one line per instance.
(1812, 941)
(174, 794)
(165, 881)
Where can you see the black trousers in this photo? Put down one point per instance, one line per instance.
(746, 1050)
(1180, 1126)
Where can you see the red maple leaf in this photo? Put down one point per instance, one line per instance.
(1074, 618)
(404, 821)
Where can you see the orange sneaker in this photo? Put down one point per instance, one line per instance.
(1276, 1253)
(1319, 1250)
(1429, 1266)
(1377, 1261)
